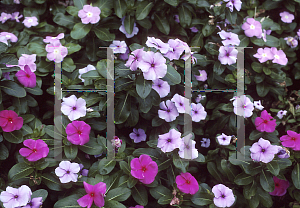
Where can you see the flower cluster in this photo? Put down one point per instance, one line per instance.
(277, 56)
(56, 52)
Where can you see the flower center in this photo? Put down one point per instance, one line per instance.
(8, 36)
(293, 138)
(286, 17)
(4, 17)
(89, 14)
(68, 172)
(79, 132)
(276, 184)
(34, 150)
(276, 56)
(180, 104)
(159, 86)
(144, 169)
(53, 37)
(223, 196)
(265, 121)
(169, 140)
(252, 27)
(137, 135)
(168, 110)
(152, 65)
(92, 194)
(263, 150)
(188, 182)
(30, 20)
(227, 54)
(16, 196)
(56, 51)
(224, 138)
(27, 75)
(196, 112)
(10, 119)
(187, 146)
(264, 55)
(74, 108)
(244, 106)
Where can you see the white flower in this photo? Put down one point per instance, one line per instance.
(118, 46)
(73, 108)
(257, 104)
(67, 171)
(85, 70)
(281, 113)
(224, 139)
(243, 106)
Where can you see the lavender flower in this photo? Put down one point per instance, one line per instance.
(264, 55)
(158, 44)
(169, 111)
(85, 70)
(134, 59)
(205, 142)
(169, 141)
(180, 102)
(187, 149)
(67, 171)
(73, 108)
(257, 105)
(134, 31)
(161, 87)
(263, 151)
(118, 46)
(202, 77)
(124, 56)
(291, 41)
(252, 28)
(279, 56)
(15, 16)
(176, 17)
(30, 21)
(9, 36)
(4, 17)
(286, 17)
(50, 39)
(89, 14)
(194, 29)
(283, 152)
(34, 203)
(175, 50)
(198, 112)
(223, 196)
(243, 106)
(138, 135)
(224, 139)
(15, 197)
(281, 113)
(230, 38)
(227, 55)
(236, 3)
(199, 98)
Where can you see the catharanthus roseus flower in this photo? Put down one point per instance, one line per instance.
(243, 106)
(264, 55)
(138, 135)
(95, 193)
(118, 46)
(153, 65)
(9, 121)
(4, 17)
(134, 59)
(67, 171)
(85, 70)
(265, 122)
(50, 39)
(236, 3)
(15, 16)
(223, 196)
(144, 169)
(205, 142)
(30, 21)
(194, 29)
(224, 139)
(124, 56)
(257, 105)
(281, 113)
(26, 60)
(78, 132)
(283, 152)
(15, 197)
(175, 50)
(280, 187)
(202, 77)
(3, 39)
(169, 111)
(199, 98)
(9, 36)
(263, 151)
(89, 14)
(56, 52)
(286, 17)
(161, 87)
(252, 28)
(187, 149)
(34, 203)
(123, 30)
(198, 112)
(116, 143)
(26, 77)
(169, 141)
(230, 38)
(158, 44)
(37, 149)
(73, 108)
(291, 41)
(227, 55)
(187, 183)
(291, 140)
(279, 56)
(180, 102)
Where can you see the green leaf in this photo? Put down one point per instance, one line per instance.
(92, 147)
(172, 2)
(254, 135)
(265, 198)
(266, 181)
(185, 16)
(197, 41)
(92, 48)
(104, 34)
(162, 24)
(66, 21)
(202, 199)
(19, 170)
(257, 67)
(272, 41)
(165, 199)
(257, 41)
(80, 3)
(244, 41)
(106, 166)
(125, 167)
(131, 181)
(69, 201)
(133, 118)
(122, 110)
(172, 76)
(296, 176)
(72, 48)
(139, 194)
(71, 151)
(113, 204)
(3, 47)
(262, 89)
(202, 3)
(231, 16)
(35, 91)
(40, 193)
(128, 23)
(135, 46)
(212, 169)
(68, 65)
(211, 48)
(243, 179)
(250, 190)
(180, 163)
(72, 11)
(143, 87)
(145, 23)
(37, 48)
(254, 201)
(15, 137)
(219, 68)
(143, 9)
(159, 191)
(118, 194)
(273, 167)
(80, 30)
(207, 30)
(120, 7)
(4, 153)
(153, 153)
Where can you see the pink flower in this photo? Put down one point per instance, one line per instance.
(9, 36)
(73, 108)
(95, 194)
(252, 28)
(78, 132)
(15, 16)
(280, 187)
(161, 87)
(169, 141)
(9, 121)
(265, 122)
(194, 29)
(202, 77)
(286, 17)
(279, 56)
(264, 55)
(223, 196)
(118, 46)
(4, 17)
(30, 21)
(26, 77)
(144, 169)
(292, 140)
(56, 52)
(89, 14)
(50, 39)
(37, 149)
(187, 183)
(175, 50)
(134, 59)
(169, 111)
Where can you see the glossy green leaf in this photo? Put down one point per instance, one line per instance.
(162, 24)
(118, 194)
(80, 30)
(120, 7)
(143, 9)
(139, 194)
(106, 166)
(19, 170)
(104, 34)
(266, 181)
(143, 87)
(296, 176)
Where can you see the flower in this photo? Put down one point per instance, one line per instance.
(134, 59)
(26, 60)
(78, 132)
(198, 112)
(202, 77)
(73, 108)
(123, 30)
(281, 113)
(292, 140)
(85, 70)
(199, 98)
(124, 56)
(175, 50)
(252, 28)
(205, 142)
(118, 46)
(67, 171)
(138, 135)
(194, 29)
(279, 56)
(223, 196)
(286, 17)
(236, 3)
(263, 151)
(144, 169)
(50, 39)
(257, 105)
(187, 183)
(3, 39)
(264, 55)
(158, 44)
(89, 14)
(4, 17)
(187, 149)
(283, 152)
(265, 122)
(169, 141)
(291, 41)
(280, 187)
(227, 55)
(37, 149)
(298, 33)
(180, 102)
(26, 77)
(9, 36)
(56, 52)
(15, 197)
(15, 16)
(34, 203)
(243, 106)
(161, 87)
(224, 139)
(9, 121)
(169, 111)
(30, 21)
(230, 38)
(116, 142)
(176, 18)
(17, 1)
(95, 193)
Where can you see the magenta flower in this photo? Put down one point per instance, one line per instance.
(95, 193)
(134, 59)
(56, 52)
(37, 149)
(279, 56)
(223, 196)
(158, 44)
(227, 55)
(169, 141)
(243, 106)
(236, 3)
(187, 149)
(134, 31)
(187, 183)
(144, 169)
(30, 21)
(26, 77)
(224, 139)
(73, 108)
(138, 135)
(265, 122)
(202, 77)
(230, 38)
(50, 39)
(175, 50)
(291, 140)
(264, 55)
(85, 70)
(252, 28)
(169, 111)
(281, 113)
(153, 65)
(9, 121)
(15, 197)
(291, 41)
(89, 14)
(161, 87)
(9, 36)
(280, 187)
(118, 46)
(34, 203)
(67, 171)
(194, 29)
(198, 112)
(4, 17)
(15, 16)
(263, 151)
(78, 132)
(286, 17)
(180, 102)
